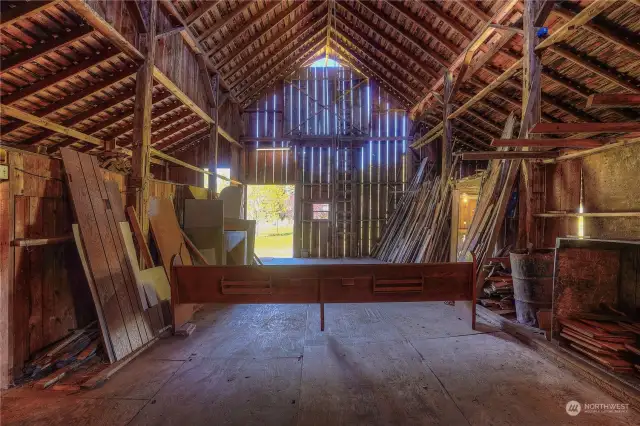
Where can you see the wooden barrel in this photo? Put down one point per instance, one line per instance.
(532, 283)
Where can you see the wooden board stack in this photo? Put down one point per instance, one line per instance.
(498, 287)
(419, 229)
(613, 344)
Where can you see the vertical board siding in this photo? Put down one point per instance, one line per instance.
(316, 112)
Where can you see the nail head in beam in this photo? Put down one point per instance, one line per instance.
(624, 127)
(549, 143)
(507, 155)
(614, 100)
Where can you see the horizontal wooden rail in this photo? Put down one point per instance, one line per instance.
(340, 283)
(32, 242)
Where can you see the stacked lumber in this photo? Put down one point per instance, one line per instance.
(419, 229)
(498, 288)
(490, 208)
(63, 359)
(127, 318)
(612, 342)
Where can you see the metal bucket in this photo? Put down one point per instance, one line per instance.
(532, 283)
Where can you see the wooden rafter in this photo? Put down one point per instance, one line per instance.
(420, 23)
(281, 63)
(204, 8)
(432, 53)
(547, 143)
(64, 73)
(605, 30)
(449, 20)
(376, 75)
(112, 79)
(586, 127)
(368, 59)
(17, 9)
(244, 28)
(359, 18)
(284, 47)
(614, 100)
(474, 9)
(596, 67)
(167, 144)
(259, 35)
(44, 47)
(375, 47)
(508, 155)
(243, 6)
(296, 63)
(265, 48)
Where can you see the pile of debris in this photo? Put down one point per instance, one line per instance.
(609, 340)
(498, 287)
(69, 364)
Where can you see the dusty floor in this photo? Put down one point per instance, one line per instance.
(386, 364)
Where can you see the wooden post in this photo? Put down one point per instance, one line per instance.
(141, 147)
(211, 87)
(447, 132)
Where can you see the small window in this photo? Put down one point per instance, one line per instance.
(320, 211)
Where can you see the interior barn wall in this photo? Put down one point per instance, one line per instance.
(608, 185)
(311, 107)
(173, 56)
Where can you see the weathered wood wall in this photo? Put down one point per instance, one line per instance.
(326, 116)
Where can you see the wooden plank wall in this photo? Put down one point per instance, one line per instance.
(44, 292)
(173, 56)
(319, 102)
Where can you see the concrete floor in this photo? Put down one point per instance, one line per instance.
(376, 364)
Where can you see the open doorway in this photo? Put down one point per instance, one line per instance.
(271, 206)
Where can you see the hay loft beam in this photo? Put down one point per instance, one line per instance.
(507, 155)
(618, 100)
(586, 127)
(548, 143)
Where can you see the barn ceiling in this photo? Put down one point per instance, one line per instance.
(55, 65)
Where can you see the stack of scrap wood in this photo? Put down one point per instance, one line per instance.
(62, 360)
(498, 287)
(613, 344)
(419, 228)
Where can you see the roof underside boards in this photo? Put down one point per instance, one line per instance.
(55, 66)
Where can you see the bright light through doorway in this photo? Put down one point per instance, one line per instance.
(221, 182)
(271, 206)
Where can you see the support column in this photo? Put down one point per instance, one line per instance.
(141, 148)
(447, 130)
(211, 87)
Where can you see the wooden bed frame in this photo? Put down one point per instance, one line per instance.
(340, 283)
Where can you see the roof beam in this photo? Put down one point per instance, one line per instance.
(271, 25)
(205, 7)
(378, 63)
(596, 68)
(548, 143)
(96, 109)
(400, 96)
(276, 66)
(245, 27)
(294, 64)
(358, 17)
(112, 79)
(225, 20)
(44, 47)
(285, 46)
(293, 24)
(614, 100)
(475, 10)
(604, 30)
(14, 10)
(187, 134)
(433, 54)
(586, 127)
(381, 50)
(450, 21)
(507, 155)
(400, 8)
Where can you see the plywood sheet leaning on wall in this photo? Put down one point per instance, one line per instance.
(168, 238)
(125, 326)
